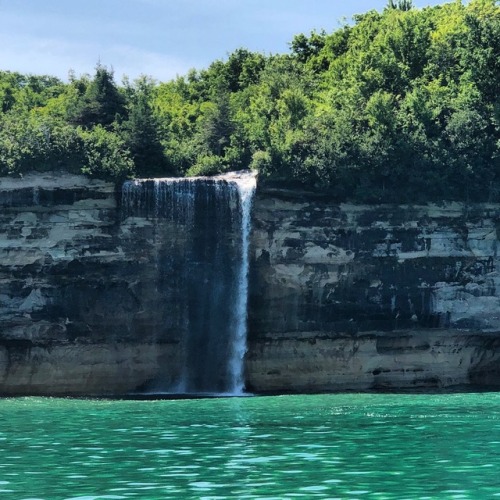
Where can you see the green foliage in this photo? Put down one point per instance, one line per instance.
(305, 48)
(216, 126)
(400, 4)
(36, 142)
(105, 154)
(261, 162)
(99, 101)
(207, 165)
(140, 131)
(401, 105)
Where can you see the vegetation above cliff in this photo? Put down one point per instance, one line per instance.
(402, 105)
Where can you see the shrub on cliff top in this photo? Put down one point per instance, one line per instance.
(105, 154)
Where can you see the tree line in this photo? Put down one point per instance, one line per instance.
(401, 105)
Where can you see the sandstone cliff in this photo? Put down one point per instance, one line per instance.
(341, 296)
(355, 297)
(79, 308)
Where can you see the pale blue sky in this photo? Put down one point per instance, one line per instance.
(160, 38)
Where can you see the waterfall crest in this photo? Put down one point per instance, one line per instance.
(202, 228)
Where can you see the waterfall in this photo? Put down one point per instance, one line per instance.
(201, 227)
(246, 189)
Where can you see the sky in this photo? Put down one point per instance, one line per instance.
(158, 38)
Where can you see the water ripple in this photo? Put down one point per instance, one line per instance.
(342, 446)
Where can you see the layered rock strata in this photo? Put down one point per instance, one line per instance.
(341, 296)
(360, 297)
(80, 311)
(404, 359)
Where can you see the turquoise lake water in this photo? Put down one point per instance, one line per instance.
(324, 446)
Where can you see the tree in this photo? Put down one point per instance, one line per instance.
(101, 102)
(140, 131)
(481, 51)
(400, 4)
(305, 48)
(105, 154)
(242, 69)
(401, 105)
(216, 125)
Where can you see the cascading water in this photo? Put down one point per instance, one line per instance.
(204, 225)
(246, 189)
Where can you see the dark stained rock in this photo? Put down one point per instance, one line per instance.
(93, 299)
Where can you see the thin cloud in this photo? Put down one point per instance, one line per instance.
(56, 57)
(133, 62)
(161, 38)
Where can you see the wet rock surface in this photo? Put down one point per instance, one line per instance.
(359, 297)
(340, 296)
(79, 308)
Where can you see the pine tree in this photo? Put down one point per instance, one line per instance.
(400, 4)
(140, 132)
(101, 102)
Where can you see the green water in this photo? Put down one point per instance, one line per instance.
(330, 446)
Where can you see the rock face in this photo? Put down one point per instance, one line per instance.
(360, 297)
(79, 308)
(310, 361)
(341, 296)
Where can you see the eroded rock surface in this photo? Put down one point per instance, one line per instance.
(92, 300)
(331, 283)
(79, 308)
